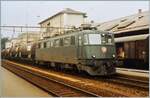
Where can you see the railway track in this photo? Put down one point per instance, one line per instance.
(54, 87)
(64, 88)
(124, 81)
(130, 82)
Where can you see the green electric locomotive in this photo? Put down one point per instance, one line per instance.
(92, 51)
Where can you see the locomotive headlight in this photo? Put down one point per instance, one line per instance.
(104, 49)
(93, 56)
(114, 55)
(103, 35)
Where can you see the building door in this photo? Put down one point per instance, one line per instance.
(120, 50)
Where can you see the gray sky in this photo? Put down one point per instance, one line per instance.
(26, 12)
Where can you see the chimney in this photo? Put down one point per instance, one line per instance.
(140, 11)
(140, 15)
(92, 21)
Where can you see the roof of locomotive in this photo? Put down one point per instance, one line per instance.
(75, 33)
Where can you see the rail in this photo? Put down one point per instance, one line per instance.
(52, 86)
(79, 81)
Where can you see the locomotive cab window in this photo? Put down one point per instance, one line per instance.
(92, 39)
(107, 39)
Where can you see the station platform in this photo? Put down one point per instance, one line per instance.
(14, 86)
(133, 72)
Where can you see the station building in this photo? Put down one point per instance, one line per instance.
(131, 37)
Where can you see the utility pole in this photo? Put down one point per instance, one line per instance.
(27, 31)
(27, 22)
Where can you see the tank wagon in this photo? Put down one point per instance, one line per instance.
(92, 51)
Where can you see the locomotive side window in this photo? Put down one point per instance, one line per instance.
(80, 40)
(42, 45)
(56, 43)
(52, 43)
(39, 45)
(48, 44)
(66, 41)
(61, 42)
(72, 40)
(45, 45)
(86, 39)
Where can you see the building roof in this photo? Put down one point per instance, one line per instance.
(131, 38)
(29, 33)
(134, 22)
(67, 10)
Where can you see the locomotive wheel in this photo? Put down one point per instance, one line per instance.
(78, 68)
(58, 66)
(49, 65)
(37, 62)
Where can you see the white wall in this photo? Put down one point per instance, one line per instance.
(61, 20)
(74, 20)
(7, 45)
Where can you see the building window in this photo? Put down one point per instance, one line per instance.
(48, 24)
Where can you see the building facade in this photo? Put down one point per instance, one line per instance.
(62, 21)
(12, 43)
(29, 37)
(22, 39)
(131, 37)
